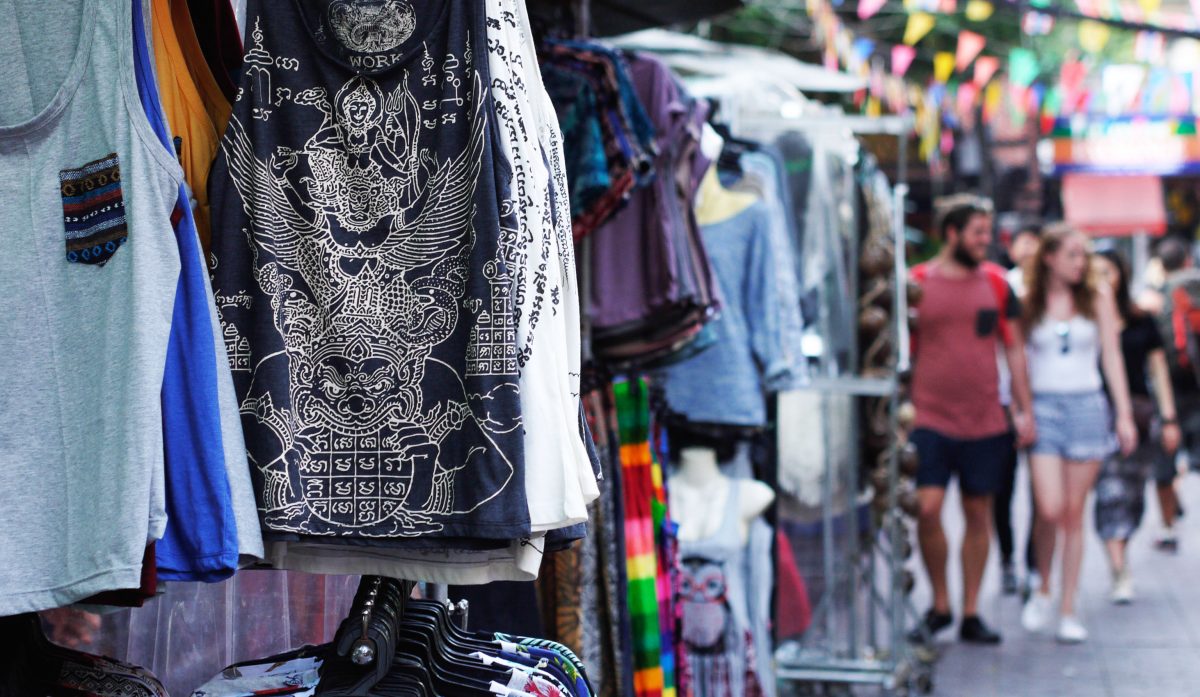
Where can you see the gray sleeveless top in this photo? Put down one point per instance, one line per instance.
(88, 274)
(716, 624)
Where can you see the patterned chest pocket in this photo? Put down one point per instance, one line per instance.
(93, 211)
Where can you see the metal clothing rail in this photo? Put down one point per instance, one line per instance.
(874, 578)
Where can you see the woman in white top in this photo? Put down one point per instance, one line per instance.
(1073, 330)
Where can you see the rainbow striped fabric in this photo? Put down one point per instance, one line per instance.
(642, 559)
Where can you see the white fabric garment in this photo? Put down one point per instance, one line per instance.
(519, 561)
(559, 482)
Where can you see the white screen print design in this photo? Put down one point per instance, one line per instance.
(371, 27)
(361, 239)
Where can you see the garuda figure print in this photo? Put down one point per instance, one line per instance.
(387, 404)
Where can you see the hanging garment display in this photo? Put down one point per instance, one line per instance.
(375, 364)
(362, 275)
(220, 40)
(748, 331)
(417, 648)
(212, 522)
(717, 631)
(560, 477)
(652, 286)
(99, 189)
(194, 105)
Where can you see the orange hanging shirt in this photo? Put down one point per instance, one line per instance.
(196, 110)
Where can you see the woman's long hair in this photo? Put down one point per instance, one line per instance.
(1037, 279)
(1125, 305)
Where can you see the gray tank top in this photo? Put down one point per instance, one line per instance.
(88, 274)
(716, 614)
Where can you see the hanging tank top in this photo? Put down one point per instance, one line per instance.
(1064, 357)
(715, 607)
(195, 108)
(362, 274)
(212, 517)
(88, 276)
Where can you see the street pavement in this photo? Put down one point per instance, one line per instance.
(1150, 648)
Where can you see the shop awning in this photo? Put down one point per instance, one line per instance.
(1117, 205)
(611, 17)
(692, 55)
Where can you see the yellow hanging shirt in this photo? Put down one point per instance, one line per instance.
(196, 110)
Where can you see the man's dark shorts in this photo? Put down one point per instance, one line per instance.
(979, 463)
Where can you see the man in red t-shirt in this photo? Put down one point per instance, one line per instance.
(967, 308)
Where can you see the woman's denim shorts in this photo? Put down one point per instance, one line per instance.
(1074, 426)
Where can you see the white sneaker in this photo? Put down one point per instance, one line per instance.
(1036, 614)
(1071, 630)
(1122, 588)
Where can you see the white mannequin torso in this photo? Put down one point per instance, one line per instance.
(699, 494)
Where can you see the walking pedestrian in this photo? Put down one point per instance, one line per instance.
(1174, 306)
(1073, 329)
(966, 311)
(1121, 487)
(1021, 250)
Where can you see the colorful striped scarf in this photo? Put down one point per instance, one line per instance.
(642, 560)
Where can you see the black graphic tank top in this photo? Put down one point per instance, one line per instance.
(362, 273)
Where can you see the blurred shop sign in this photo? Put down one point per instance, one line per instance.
(1114, 205)
(1126, 145)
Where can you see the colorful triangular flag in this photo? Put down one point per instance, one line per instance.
(979, 10)
(919, 24)
(902, 58)
(985, 68)
(1022, 66)
(970, 45)
(869, 8)
(943, 66)
(1093, 35)
(965, 99)
(1037, 23)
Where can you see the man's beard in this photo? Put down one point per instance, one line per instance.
(963, 257)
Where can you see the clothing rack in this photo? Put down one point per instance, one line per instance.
(864, 639)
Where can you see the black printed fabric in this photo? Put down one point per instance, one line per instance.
(363, 276)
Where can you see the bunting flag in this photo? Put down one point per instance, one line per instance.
(1150, 47)
(965, 99)
(1022, 66)
(1070, 80)
(1196, 8)
(1036, 93)
(902, 59)
(896, 95)
(919, 24)
(947, 142)
(869, 8)
(1181, 95)
(829, 59)
(876, 81)
(943, 66)
(863, 48)
(1150, 7)
(1037, 23)
(992, 98)
(985, 69)
(1088, 8)
(947, 6)
(1093, 35)
(979, 10)
(1121, 85)
(970, 45)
